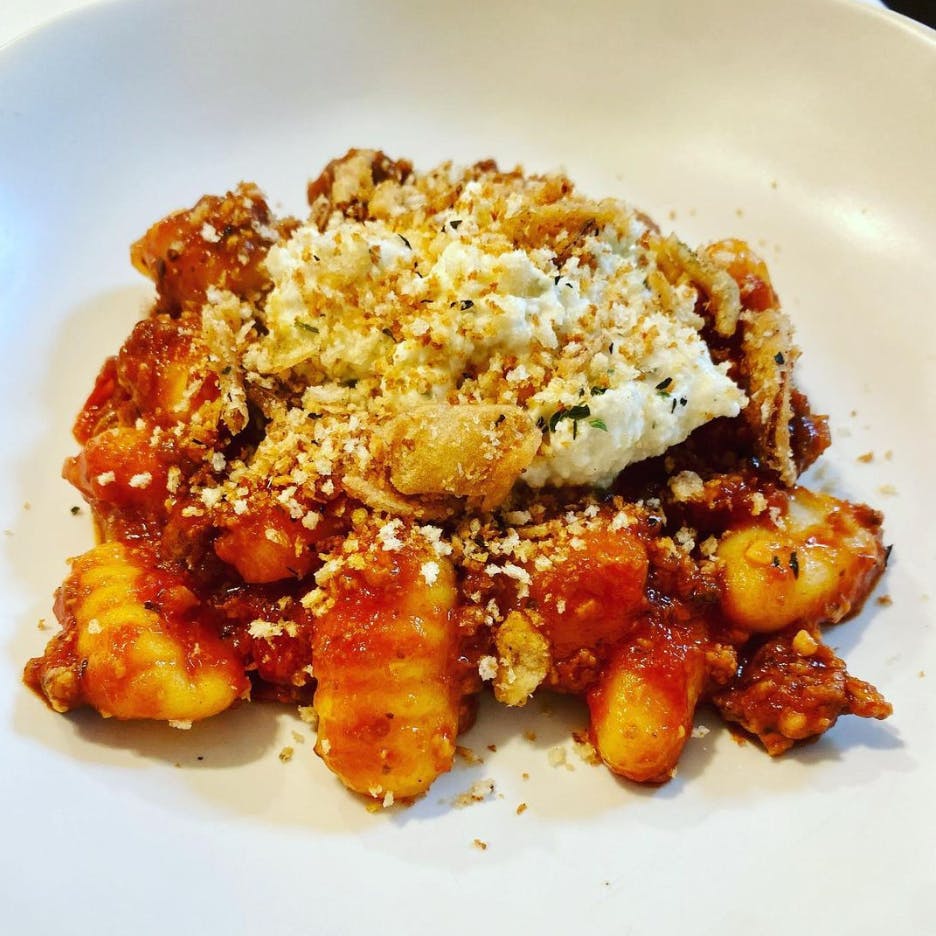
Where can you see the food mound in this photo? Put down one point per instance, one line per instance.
(459, 427)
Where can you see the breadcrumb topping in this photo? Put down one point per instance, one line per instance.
(463, 288)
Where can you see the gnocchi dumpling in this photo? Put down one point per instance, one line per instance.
(384, 653)
(132, 645)
(811, 565)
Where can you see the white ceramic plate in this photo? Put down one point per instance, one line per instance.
(807, 127)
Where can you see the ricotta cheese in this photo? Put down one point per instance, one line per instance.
(500, 292)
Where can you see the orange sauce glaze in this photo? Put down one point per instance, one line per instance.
(388, 713)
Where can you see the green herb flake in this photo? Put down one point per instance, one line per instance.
(599, 424)
(305, 326)
(575, 413)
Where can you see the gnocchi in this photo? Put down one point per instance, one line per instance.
(384, 653)
(130, 646)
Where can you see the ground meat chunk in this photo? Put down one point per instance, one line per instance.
(783, 696)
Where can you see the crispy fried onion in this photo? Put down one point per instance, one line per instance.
(767, 357)
(765, 354)
(723, 299)
(432, 460)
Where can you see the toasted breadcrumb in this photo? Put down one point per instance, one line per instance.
(559, 757)
(141, 480)
(308, 714)
(476, 793)
(686, 486)
(468, 755)
(805, 644)
(582, 745)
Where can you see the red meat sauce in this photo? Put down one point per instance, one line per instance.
(235, 575)
(633, 600)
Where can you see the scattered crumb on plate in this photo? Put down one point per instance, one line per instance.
(584, 748)
(559, 757)
(476, 793)
(468, 755)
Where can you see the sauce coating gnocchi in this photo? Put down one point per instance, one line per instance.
(382, 522)
(384, 651)
(809, 567)
(130, 646)
(643, 704)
